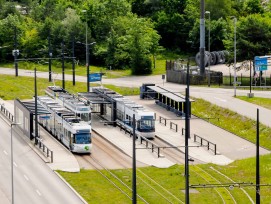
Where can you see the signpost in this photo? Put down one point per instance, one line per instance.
(260, 63)
(95, 77)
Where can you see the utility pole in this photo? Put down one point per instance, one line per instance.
(234, 56)
(50, 60)
(134, 161)
(209, 47)
(36, 107)
(187, 135)
(202, 38)
(258, 195)
(63, 68)
(15, 53)
(73, 58)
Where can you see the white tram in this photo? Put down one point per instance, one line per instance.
(63, 124)
(70, 101)
(145, 119)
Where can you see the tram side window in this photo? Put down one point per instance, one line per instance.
(129, 122)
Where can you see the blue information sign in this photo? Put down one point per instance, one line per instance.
(95, 77)
(260, 63)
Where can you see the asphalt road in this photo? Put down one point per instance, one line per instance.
(34, 182)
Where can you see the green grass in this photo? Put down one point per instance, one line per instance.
(231, 121)
(264, 102)
(97, 189)
(12, 87)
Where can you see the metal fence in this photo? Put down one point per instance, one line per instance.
(46, 151)
(6, 113)
(204, 142)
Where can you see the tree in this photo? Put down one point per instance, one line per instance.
(218, 8)
(7, 32)
(253, 6)
(131, 42)
(253, 37)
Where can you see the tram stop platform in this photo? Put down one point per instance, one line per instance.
(63, 159)
(124, 143)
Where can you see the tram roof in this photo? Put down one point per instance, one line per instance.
(93, 98)
(173, 96)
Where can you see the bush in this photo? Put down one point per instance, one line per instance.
(141, 65)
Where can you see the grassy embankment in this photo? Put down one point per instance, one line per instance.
(264, 102)
(95, 189)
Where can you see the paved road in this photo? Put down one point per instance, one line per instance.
(34, 181)
(219, 96)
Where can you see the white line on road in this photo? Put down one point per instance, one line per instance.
(5, 152)
(26, 178)
(38, 192)
(220, 99)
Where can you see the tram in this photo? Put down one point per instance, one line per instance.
(70, 101)
(64, 125)
(125, 109)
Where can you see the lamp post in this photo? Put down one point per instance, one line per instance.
(11, 149)
(87, 51)
(209, 44)
(234, 20)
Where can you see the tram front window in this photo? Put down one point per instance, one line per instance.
(146, 125)
(85, 116)
(82, 138)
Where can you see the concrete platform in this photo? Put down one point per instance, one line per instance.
(125, 143)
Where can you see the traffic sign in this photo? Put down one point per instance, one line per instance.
(260, 63)
(95, 77)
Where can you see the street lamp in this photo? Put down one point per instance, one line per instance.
(209, 13)
(11, 149)
(15, 52)
(234, 20)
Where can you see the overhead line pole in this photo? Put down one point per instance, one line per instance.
(202, 38)
(63, 68)
(134, 161)
(73, 59)
(187, 135)
(36, 107)
(15, 51)
(258, 196)
(50, 60)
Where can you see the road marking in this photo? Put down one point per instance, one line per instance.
(220, 99)
(26, 178)
(38, 192)
(15, 164)
(5, 152)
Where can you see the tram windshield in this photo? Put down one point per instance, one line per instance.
(82, 138)
(146, 124)
(85, 117)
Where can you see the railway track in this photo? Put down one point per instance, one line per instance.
(105, 158)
